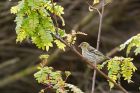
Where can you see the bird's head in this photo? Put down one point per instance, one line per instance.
(84, 45)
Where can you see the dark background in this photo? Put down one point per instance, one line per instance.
(17, 61)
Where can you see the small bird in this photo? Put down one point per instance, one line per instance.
(92, 54)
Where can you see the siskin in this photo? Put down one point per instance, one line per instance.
(92, 54)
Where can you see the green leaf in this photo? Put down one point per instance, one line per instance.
(137, 51)
(47, 76)
(43, 56)
(96, 1)
(21, 36)
(61, 32)
(19, 21)
(120, 67)
(130, 43)
(67, 73)
(122, 46)
(14, 9)
(60, 45)
(33, 21)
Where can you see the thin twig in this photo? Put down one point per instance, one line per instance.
(98, 42)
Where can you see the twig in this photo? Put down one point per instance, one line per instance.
(100, 26)
(98, 41)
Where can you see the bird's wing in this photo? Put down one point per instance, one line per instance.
(95, 51)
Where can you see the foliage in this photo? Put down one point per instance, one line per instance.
(51, 79)
(73, 88)
(60, 44)
(120, 67)
(43, 56)
(71, 38)
(96, 1)
(34, 21)
(130, 43)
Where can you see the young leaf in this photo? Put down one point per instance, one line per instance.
(60, 45)
(14, 9)
(137, 51)
(96, 1)
(22, 35)
(43, 56)
(130, 43)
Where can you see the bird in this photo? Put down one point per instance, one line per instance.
(92, 54)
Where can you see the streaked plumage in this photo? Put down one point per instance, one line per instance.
(91, 53)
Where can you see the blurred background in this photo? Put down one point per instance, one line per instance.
(18, 60)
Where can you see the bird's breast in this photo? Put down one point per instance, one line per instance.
(92, 56)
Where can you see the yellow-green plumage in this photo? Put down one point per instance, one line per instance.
(91, 53)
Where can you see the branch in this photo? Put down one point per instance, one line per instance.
(98, 41)
(90, 63)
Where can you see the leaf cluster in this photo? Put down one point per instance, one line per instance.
(71, 38)
(133, 42)
(34, 21)
(73, 88)
(120, 67)
(51, 79)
